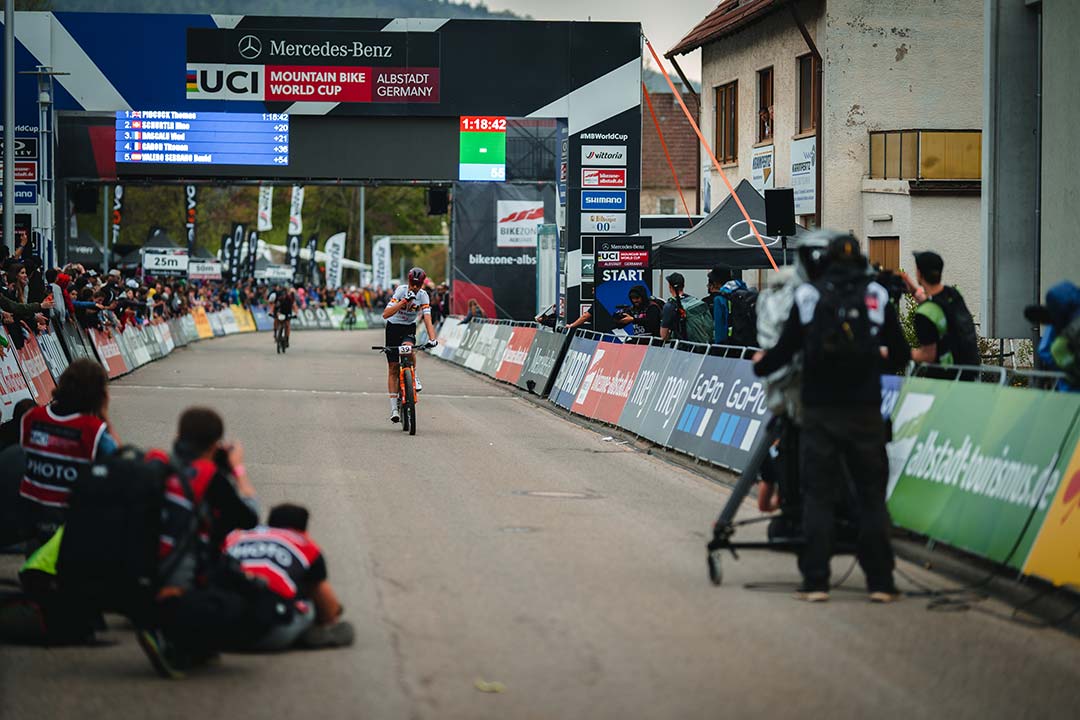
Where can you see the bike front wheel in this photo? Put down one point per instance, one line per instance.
(408, 410)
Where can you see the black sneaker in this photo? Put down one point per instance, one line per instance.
(340, 634)
(159, 652)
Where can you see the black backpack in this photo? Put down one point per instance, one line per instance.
(109, 555)
(742, 317)
(841, 334)
(963, 341)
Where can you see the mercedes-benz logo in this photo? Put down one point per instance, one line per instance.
(747, 239)
(250, 47)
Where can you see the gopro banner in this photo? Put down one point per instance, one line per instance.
(266, 208)
(296, 209)
(190, 204)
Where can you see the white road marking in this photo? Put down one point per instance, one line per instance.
(346, 393)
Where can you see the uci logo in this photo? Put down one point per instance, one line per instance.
(249, 47)
(240, 83)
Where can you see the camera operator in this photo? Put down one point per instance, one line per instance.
(848, 333)
(643, 313)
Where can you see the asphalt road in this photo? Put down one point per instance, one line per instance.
(590, 602)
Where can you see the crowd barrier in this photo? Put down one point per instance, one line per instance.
(990, 469)
(31, 371)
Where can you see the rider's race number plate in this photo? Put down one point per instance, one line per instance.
(281, 317)
(404, 350)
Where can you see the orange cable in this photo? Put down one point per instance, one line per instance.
(667, 155)
(716, 163)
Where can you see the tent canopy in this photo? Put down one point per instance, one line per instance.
(724, 238)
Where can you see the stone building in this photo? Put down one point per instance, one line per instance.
(893, 109)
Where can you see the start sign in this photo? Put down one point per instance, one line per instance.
(622, 263)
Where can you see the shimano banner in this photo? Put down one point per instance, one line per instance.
(266, 208)
(296, 208)
(190, 204)
(494, 246)
(335, 252)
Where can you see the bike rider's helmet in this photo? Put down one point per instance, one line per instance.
(844, 250)
(417, 276)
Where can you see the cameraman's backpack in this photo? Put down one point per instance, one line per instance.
(841, 334)
(1066, 351)
(742, 317)
(963, 340)
(109, 556)
(697, 323)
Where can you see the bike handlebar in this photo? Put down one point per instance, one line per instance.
(426, 346)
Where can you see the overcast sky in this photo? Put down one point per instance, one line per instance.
(664, 22)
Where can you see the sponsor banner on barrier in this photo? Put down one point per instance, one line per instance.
(298, 321)
(242, 317)
(464, 346)
(191, 328)
(75, 341)
(667, 402)
(449, 336)
(608, 381)
(176, 330)
(53, 352)
(108, 352)
(483, 344)
(149, 341)
(308, 320)
(322, 319)
(228, 322)
(13, 387)
(35, 370)
(572, 371)
(263, 321)
(202, 323)
(166, 337)
(1055, 554)
(132, 348)
(493, 353)
(891, 385)
(215, 323)
(646, 386)
(724, 413)
(542, 361)
(977, 466)
(512, 361)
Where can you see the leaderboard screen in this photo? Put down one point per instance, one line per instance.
(168, 137)
(482, 148)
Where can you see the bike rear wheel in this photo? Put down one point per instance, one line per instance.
(408, 410)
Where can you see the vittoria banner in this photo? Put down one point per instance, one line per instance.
(296, 209)
(266, 209)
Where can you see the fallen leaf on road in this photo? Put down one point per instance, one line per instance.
(489, 687)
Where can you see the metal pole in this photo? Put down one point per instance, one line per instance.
(105, 227)
(361, 224)
(9, 124)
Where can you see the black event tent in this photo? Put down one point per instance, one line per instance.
(724, 239)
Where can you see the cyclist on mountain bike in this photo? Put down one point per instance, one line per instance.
(400, 314)
(284, 304)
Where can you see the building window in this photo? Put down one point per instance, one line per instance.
(727, 123)
(765, 105)
(808, 78)
(667, 206)
(885, 252)
(926, 155)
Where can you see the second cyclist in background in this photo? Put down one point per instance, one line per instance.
(408, 302)
(284, 305)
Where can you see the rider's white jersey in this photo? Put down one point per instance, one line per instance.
(411, 310)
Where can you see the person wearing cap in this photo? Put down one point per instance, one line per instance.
(944, 327)
(672, 317)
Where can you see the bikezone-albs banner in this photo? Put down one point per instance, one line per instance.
(724, 413)
(281, 65)
(621, 264)
(494, 246)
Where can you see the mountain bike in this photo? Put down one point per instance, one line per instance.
(349, 323)
(280, 338)
(406, 381)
